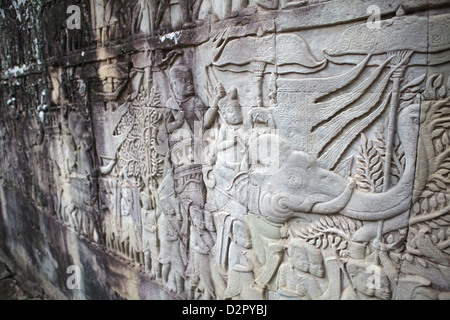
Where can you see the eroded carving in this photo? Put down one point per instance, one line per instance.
(235, 158)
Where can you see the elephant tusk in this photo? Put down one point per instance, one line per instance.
(337, 204)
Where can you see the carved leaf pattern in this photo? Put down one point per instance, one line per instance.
(137, 156)
(398, 156)
(369, 167)
(430, 221)
(434, 88)
(411, 92)
(329, 231)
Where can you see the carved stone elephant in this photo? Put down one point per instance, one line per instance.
(301, 186)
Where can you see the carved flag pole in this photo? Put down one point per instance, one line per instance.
(398, 62)
(152, 26)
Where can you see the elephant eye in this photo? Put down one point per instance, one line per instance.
(293, 181)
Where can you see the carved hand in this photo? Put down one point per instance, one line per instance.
(220, 91)
(179, 118)
(377, 245)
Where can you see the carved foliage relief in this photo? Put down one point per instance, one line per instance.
(230, 156)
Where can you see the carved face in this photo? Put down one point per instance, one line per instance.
(298, 258)
(126, 203)
(167, 208)
(367, 282)
(361, 280)
(383, 293)
(146, 202)
(87, 140)
(232, 113)
(242, 235)
(182, 84)
(81, 85)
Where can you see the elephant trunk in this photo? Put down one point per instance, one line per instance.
(381, 206)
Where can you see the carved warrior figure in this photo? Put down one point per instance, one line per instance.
(232, 147)
(182, 191)
(78, 127)
(149, 14)
(130, 236)
(284, 4)
(190, 10)
(201, 242)
(76, 174)
(241, 279)
(150, 236)
(232, 8)
(184, 122)
(228, 8)
(302, 275)
(366, 284)
(107, 18)
(174, 253)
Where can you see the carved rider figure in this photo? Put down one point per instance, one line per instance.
(185, 120)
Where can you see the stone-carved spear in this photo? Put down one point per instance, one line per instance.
(398, 62)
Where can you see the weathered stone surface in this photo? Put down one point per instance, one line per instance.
(16, 287)
(8, 289)
(4, 271)
(205, 149)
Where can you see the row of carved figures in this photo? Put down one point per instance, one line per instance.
(152, 15)
(201, 231)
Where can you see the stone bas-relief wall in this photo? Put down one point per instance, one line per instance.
(257, 149)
